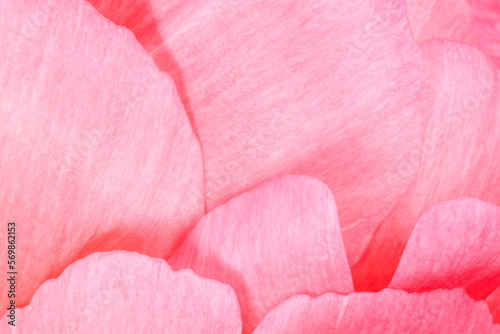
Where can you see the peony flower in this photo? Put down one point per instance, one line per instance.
(275, 257)
(216, 136)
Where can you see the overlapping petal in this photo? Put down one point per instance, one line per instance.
(475, 22)
(454, 245)
(445, 19)
(486, 27)
(334, 90)
(338, 91)
(276, 241)
(459, 156)
(389, 311)
(120, 292)
(493, 302)
(97, 151)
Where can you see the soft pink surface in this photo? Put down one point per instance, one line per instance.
(389, 311)
(475, 22)
(446, 19)
(98, 154)
(454, 245)
(459, 156)
(493, 302)
(276, 241)
(486, 27)
(97, 151)
(120, 292)
(334, 90)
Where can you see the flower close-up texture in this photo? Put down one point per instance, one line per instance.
(227, 166)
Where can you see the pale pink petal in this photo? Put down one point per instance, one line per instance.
(493, 302)
(276, 241)
(333, 90)
(96, 150)
(446, 19)
(121, 292)
(454, 245)
(486, 27)
(389, 311)
(459, 156)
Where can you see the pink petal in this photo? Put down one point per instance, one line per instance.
(389, 311)
(335, 91)
(486, 27)
(454, 245)
(493, 302)
(121, 292)
(276, 241)
(470, 21)
(446, 19)
(459, 156)
(96, 150)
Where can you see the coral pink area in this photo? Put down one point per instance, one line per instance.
(454, 245)
(494, 305)
(336, 91)
(459, 155)
(317, 167)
